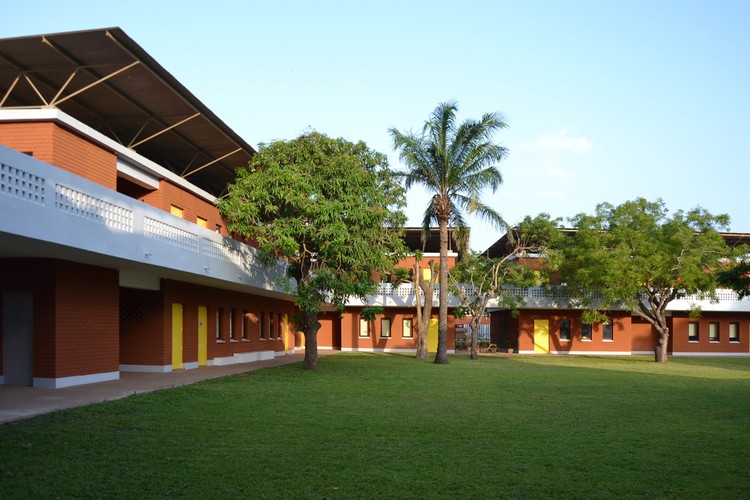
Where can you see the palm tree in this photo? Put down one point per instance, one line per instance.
(456, 162)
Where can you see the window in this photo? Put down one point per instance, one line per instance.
(232, 333)
(262, 325)
(269, 333)
(201, 222)
(585, 331)
(693, 331)
(176, 211)
(279, 327)
(219, 314)
(385, 327)
(607, 332)
(244, 324)
(217, 228)
(565, 329)
(407, 328)
(363, 327)
(713, 332)
(734, 332)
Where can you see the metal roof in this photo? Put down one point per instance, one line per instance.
(503, 246)
(107, 81)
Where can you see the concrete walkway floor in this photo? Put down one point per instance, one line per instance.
(18, 403)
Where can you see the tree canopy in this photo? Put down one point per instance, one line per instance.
(456, 163)
(638, 257)
(737, 277)
(329, 207)
(477, 280)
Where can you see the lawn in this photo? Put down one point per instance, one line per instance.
(388, 426)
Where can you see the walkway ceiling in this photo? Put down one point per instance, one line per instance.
(413, 240)
(107, 81)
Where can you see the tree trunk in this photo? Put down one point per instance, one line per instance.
(312, 325)
(441, 357)
(474, 325)
(421, 328)
(660, 351)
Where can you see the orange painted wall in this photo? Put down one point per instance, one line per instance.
(147, 332)
(626, 336)
(351, 339)
(679, 333)
(408, 262)
(329, 335)
(192, 296)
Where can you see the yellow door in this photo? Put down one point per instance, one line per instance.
(202, 335)
(541, 336)
(176, 336)
(432, 335)
(285, 333)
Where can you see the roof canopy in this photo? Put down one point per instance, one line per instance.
(504, 246)
(413, 240)
(107, 81)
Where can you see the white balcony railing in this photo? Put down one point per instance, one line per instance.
(49, 212)
(539, 297)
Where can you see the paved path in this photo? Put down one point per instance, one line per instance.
(18, 403)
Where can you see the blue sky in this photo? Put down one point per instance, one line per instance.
(606, 100)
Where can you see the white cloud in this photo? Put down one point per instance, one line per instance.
(556, 142)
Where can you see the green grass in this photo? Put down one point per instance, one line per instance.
(383, 426)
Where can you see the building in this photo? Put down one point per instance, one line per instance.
(113, 256)
(395, 330)
(549, 323)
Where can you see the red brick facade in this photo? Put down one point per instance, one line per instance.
(169, 195)
(57, 146)
(76, 310)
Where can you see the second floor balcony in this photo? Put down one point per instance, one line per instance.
(51, 213)
(541, 297)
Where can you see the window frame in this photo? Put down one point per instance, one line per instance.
(735, 338)
(364, 325)
(694, 336)
(410, 322)
(590, 336)
(244, 325)
(232, 332)
(714, 332)
(564, 330)
(261, 325)
(219, 325)
(383, 322)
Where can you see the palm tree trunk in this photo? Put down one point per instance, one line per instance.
(421, 330)
(441, 358)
